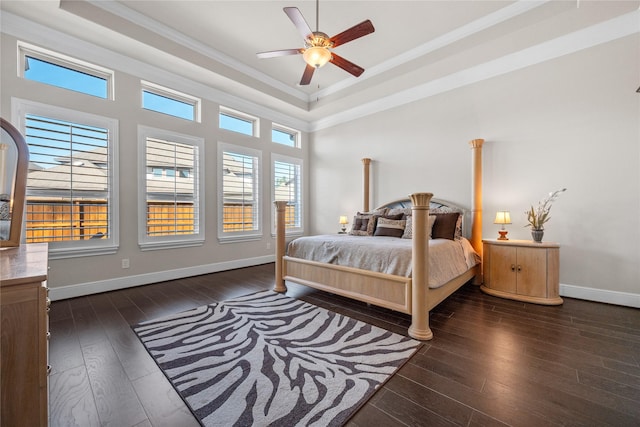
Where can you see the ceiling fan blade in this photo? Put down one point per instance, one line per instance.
(348, 66)
(306, 76)
(298, 20)
(355, 32)
(276, 53)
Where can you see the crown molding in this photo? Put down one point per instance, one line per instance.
(604, 32)
(613, 29)
(38, 34)
(490, 20)
(162, 30)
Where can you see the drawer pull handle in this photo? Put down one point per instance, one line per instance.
(49, 370)
(48, 335)
(513, 267)
(519, 268)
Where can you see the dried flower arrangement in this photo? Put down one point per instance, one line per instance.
(538, 216)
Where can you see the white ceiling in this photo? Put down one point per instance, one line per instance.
(416, 43)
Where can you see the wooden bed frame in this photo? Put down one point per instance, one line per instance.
(410, 295)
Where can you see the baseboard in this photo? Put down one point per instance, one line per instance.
(82, 289)
(600, 295)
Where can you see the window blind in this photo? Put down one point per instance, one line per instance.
(68, 183)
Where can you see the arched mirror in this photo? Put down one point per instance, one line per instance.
(14, 164)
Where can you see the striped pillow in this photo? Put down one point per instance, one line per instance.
(390, 227)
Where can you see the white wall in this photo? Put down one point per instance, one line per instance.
(83, 275)
(570, 122)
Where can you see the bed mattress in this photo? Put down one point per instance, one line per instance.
(390, 255)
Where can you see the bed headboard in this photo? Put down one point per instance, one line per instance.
(437, 205)
(471, 219)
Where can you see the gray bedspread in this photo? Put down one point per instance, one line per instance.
(391, 255)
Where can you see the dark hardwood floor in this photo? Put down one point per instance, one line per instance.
(492, 361)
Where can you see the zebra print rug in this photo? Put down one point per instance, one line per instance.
(268, 359)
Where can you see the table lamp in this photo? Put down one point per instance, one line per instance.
(502, 217)
(343, 223)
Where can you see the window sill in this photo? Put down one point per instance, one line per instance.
(239, 238)
(80, 252)
(157, 246)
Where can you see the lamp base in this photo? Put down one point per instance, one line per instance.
(503, 235)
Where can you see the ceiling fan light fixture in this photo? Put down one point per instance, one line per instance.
(317, 56)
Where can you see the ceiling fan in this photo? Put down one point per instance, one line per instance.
(317, 45)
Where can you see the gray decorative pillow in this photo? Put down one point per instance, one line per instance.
(458, 233)
(390, 227)
(408, 228)
(360, 224)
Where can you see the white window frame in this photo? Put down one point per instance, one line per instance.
(296, 133)
(90, 247)
(293, 231)
(175, 95)
(27, 49)
(255, 121)
(145, 242)
(235, 236)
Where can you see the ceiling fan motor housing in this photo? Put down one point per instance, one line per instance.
(318, 39)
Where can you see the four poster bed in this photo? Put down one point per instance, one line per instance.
(412, 291)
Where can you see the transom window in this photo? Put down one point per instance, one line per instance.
(59, 70)
(169, 101)
(285, 136)
(236, 121)
(169, 196)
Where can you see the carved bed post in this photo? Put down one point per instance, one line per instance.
(281, 208)
(420, 265)
(476, 200)
(366, 162)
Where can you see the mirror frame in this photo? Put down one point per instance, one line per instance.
(20, 185)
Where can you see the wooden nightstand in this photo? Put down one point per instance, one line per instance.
(522, 270)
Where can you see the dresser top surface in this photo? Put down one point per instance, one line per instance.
(25, 263)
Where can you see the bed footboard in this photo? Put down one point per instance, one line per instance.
(384, 290)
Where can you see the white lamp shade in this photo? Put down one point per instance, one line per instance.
(317, 56)
(344, 220)
(502, 217)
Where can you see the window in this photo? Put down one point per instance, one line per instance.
(285, 136)
(239, 192)
(287, 185)
(170, 202)
(238, 122)
(72, 184)
(60, 70)
(171, 102)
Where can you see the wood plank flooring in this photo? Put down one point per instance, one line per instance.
(492, 362)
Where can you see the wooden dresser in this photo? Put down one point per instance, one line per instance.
(24, 329)
(522, 270)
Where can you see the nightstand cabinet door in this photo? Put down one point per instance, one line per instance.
(502, 268)
(522, 270)
(531, 269)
